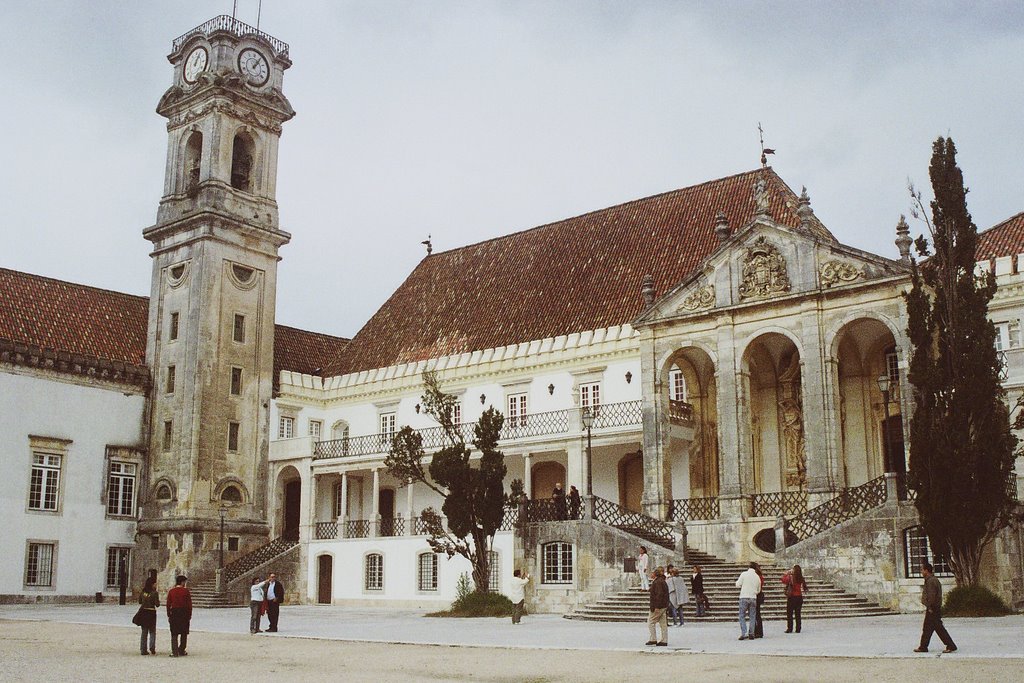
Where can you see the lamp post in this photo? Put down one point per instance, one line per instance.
(588, 422)
(223, 514)
(885, 386)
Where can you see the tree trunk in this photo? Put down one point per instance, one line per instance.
(966, 565)
(481, 568)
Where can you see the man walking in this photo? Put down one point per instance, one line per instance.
(517, 594)
(659, 609)
(749, 584)
(179, 615)
(931, 598)
(275, 596)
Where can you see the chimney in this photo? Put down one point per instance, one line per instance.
(903, 240)
(648, 291)
(722, 229)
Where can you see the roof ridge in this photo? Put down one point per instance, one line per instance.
(1003, 222)
(21, 273)
(609, 208)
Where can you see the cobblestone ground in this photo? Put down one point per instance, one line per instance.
(59, 651)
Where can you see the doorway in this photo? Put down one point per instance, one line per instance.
(544, 476)
(325, 574)
(292, 506)
(892, 432)
(631, 482)
(386, 508)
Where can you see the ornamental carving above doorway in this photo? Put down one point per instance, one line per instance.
(764, 271)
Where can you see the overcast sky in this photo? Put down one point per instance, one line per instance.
(469, 120)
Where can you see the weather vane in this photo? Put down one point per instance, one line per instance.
(430, 247)
(764, 152)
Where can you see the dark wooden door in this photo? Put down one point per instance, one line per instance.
(323, 595)
(894, 446)
(292, 506)
(386, 507)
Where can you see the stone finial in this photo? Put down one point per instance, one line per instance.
(903, 240)
(648, 290)
(722, 228)
(804, 210)
(761, 198)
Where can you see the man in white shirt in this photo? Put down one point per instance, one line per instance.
(749, 584)
(517, 594)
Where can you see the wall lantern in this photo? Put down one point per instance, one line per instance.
(551, 389)
(629, 376)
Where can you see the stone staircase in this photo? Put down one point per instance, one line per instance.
(204, 593)
(823, 600)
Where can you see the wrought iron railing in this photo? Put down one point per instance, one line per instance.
(543, 510)
(788, 503)
(680, 411)
(847, 505)
(225, 23)
(419, 526)
(510, 518)
(624, 414)
(636, 523)
(686, 509)
(392, 526)
(326, 531)
(370, 444)
(537, 424)
(357, 528)
(260, 555)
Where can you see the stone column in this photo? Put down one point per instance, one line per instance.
(343, 517)
(815, 397)
(375, 504)
(575, 456)
(833, 426)
(528, 474)
(733, 436)
(408, 507)
(657, 475)
(306, 506)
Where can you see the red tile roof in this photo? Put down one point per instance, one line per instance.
(64, 316)
(1003, 239)
(578, 274)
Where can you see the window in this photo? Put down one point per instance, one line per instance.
(374, 572)
(231, 494)
(456, 413)
(236, 381)
(154, 542)
(121, 489)
(193, 160)
(39, 564)
(676, 385)
(557, 558)
(172, 332)
(163, 492)
(494, 571)
(387, 424)
(171, 372)
(241, 163)
(590, 395)
(1007, 335)
(115, 556)
(233, 437)
(892, 367)
(232, 543)
(517, 410)
(917, 549)
(315, 427)
(44, 487)
(167, 435)
(238, 333)
(338, 503)
(427, 572)
(286, 427)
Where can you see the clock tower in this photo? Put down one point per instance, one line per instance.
(211, 314)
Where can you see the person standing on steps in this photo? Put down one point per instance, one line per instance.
(796, 588)
(748, 583)
(574, 503)
(641, 566)
(517, 594)
(659, 609)
(275, 596)
(931, 598)
(697, 588)
(179, 615)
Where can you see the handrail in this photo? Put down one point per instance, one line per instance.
(241, 29)
(636, 523)
(686, 509)
(773, 504)
(255, 558)
(847, 505)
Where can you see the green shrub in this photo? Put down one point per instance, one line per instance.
(478, 605)
(974, 601)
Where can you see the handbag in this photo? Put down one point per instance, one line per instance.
(137, 619)
(789, 590)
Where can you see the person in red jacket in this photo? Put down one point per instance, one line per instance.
(179, 615)
(796, 587)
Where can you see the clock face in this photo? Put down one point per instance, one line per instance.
(253, 66)
(195, 64)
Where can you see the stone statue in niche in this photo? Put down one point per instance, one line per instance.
(764, 271)
(791, 413)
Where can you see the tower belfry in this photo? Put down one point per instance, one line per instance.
(211, 315)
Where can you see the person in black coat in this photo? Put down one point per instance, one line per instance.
(275, 596)
(697, 588)
(574, 503)
(558, 496)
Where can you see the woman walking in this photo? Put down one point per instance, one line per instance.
(149, 600)
(796, 588)
(677, 597)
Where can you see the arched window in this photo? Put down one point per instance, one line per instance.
(163, 492)
(373, 572)
(556, 563)
(427, 574)
(231, 494)
(241, 163)
(494, 571)
(193, 160)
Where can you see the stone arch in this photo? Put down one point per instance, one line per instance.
(544, 475)
(691, 459)
(244, 160)
(192, 156)
(288, 500)
(631, 481)
(231, 490)
(164, 490)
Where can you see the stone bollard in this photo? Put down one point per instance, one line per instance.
(780, 533)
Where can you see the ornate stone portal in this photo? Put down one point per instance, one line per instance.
(764, 271)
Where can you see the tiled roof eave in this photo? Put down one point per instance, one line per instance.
(101, 369)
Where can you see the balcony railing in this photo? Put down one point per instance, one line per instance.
(847, 505)
(357, 528)
(239, 28)
(680, 412)
(625, 414)
(392, 526)
(687, 509)
(326, 531)
(787, 503)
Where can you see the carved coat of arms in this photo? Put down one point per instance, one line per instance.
(764, 271)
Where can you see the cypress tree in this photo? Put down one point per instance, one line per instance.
(961, 446)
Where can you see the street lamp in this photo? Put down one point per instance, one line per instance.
(223, 514)
(885, 386)
(588, 422)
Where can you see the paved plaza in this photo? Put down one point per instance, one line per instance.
(869, 637)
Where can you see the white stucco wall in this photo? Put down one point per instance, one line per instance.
(90, 418)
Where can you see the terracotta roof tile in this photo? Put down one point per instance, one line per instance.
(578, 274)
(64, 316)
(1003, 239)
